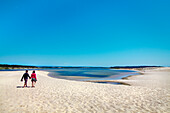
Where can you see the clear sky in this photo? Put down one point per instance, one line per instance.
(85, 32)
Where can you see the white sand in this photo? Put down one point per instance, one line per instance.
(149, 93)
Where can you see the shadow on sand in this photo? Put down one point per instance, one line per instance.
(25, 87)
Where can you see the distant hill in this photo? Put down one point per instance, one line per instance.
(7, 66)
(117, 67)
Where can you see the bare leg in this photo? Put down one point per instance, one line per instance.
(24, 85)
(32, 83)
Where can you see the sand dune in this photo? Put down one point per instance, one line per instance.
(147, 93)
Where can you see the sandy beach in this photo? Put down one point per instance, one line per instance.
(147, 93)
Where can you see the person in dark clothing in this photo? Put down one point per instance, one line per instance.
(25, 77)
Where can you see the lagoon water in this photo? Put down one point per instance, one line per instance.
(84, 74)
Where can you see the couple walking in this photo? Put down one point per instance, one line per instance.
(26, 76)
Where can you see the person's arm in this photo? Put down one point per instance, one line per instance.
(35, 77)
(22, 77)
(29, 76)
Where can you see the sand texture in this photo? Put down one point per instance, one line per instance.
(147, 93)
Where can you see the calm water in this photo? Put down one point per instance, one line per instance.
(90, 73)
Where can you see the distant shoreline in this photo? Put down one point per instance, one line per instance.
(8, 66)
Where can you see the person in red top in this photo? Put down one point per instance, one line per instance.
(33, 78)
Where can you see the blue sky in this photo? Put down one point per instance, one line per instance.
(85, 33)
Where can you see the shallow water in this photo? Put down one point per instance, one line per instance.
(84, 74)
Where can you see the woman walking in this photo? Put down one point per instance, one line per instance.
(33, 78)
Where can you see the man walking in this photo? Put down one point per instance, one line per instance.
(25, 76)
